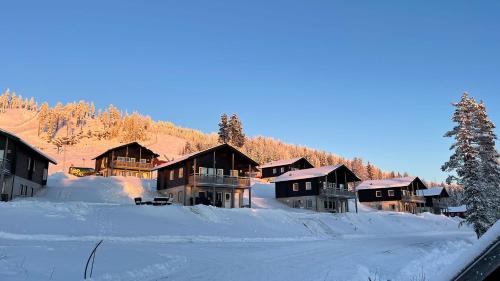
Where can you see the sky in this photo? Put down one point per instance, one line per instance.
(372, 79)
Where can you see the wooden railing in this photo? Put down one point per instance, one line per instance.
(337, 192)
(5, 166)
(214, 180)
(413, 198)
(132, 165)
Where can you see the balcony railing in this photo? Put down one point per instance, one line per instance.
(440, 205)
(337, 192)
(5, 166)
(132, 165)
(413, 198)
(214, 180)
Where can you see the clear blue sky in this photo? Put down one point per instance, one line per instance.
(358, 78)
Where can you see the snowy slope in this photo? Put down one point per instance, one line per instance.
(50, 236)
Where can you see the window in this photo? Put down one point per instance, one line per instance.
(29, 163)
(203, 171)
(325, 184)
(181, 173)
(325, 204)
(309, 204)
(211, 171)
(393, 207)
(274, 171)
(234, 173)
(341, 185)
(308, 185)
(390, 193)
(171, 175)
(143, 161)
(170, 195)
(295, 187)
(120, 158)
(378, 193)
(179, 196)
(282, 169)
(131, 160)
(220, 172)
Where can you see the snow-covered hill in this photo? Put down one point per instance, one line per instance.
(49, 237)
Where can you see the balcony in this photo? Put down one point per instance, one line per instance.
(413, 198)
(337, 192)
(222, 181)
(5, 166)
(439, 205)
(132, 165)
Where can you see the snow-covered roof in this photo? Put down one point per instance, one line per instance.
(280, 162)
(192, 155)
(431, 191)
(387, 183)
(307, 173)
(127, 144)
(36, 150)
(457, 209)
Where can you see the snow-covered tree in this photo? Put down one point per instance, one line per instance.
(370, 173)
(224, 132)
(236, 131)
(465, 163)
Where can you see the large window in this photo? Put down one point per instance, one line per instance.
(309, 204)
(390, 193)
(282, 169)
(274, 171)
(308, 185)
(295, 187)
(181, 173)
(171, 175)
(234, 173)
(378, 193)
(203, 171)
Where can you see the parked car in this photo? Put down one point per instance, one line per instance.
(81, 171)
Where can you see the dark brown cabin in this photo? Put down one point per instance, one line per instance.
(397, 194)
(277, 168)
(216, 176)
(131, 159)
(23, 168)
(324, 189)
(436, 199)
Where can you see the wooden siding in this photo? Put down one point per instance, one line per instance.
(369, 195)
(298, 165)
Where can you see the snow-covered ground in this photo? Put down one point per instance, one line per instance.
(49, 237)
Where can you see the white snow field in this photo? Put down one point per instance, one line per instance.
(49, 237)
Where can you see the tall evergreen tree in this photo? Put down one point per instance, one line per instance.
(489, 162)
(369, 171)
(464, 162)
(224, 131)
(236, 131)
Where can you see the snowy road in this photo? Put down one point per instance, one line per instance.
(341, 258)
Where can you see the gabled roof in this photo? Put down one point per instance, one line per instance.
(124, 145)
(30, 147)
(309, 173)
(387, 183)
(433, 191)
(194, 154)
(282, 162)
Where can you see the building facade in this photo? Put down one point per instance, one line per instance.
(23, 168)
(218, 176)
(276, 168)
(130, 159)
(397, 194)
(436, 199)
(323, 189)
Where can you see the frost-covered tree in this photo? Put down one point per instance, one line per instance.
(464, 163)
(236, 131)
(42, 116)
(489, 162)
(370, 173)
(224, 132)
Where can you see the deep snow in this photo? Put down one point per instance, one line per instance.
(49, 237)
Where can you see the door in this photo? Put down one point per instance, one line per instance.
(236, 200)
(227, 200)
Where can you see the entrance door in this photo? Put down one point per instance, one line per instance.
(218, 200)
(236, 200)
(227, 200)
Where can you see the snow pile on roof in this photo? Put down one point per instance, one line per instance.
(387, 183)
(433, 191)
(307, 173)
(457, 209)
(29, 145)
(280, 162)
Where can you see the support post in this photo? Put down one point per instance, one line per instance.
(4, 157)
(250, 185)
(193, 189)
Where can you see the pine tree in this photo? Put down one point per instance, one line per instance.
(489, 162)
(236, 131)
(464, 162)
(224, 133)
(369, 171)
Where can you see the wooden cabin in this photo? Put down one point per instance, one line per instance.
(23, 168)
(436, 199)
(323, 189)
(131, 159)
(218, 176)
(455, 211)
(276, 168)
(397, 194)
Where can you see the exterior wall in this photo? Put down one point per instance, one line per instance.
(183, 194)
(298, 165)
(17, 186)
(103, 162)
(396, 206)
(369, 195)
